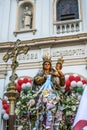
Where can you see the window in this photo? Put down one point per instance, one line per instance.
(67, 16)
(67, 10)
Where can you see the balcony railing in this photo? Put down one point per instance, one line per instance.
(67, 26)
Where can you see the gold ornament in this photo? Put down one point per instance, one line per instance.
(46, 58)
(60, 60)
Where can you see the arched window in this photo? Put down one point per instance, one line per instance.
(67, 10)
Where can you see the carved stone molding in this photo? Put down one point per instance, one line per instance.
(75, 39)
(25, 31)
(72, 48)
(73, 55)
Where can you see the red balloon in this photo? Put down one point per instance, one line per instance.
(84, 81)
(67, 83)
(18, 87)
(7, 111)
(25, 80)
(71, 78)
(20, 81)
(5, 106)
(77, 78)
(4, 102)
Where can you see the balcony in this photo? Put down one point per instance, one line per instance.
(69, 26)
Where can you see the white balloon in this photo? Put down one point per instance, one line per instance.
(23, 86)
(6, 98)
(73, 84)
(16, 81)
(8, 102)
(5, 116)
(28, 84)
(79, 84)
(66, 77)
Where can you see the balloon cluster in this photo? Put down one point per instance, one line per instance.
(5, 108)
(23, 84)
(73, 90)
(74, 82)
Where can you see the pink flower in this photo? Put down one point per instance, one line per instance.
(44, 99)
(31, 102)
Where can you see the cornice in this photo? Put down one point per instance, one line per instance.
(76, 39)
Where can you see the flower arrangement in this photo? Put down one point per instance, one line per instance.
(26, 103)
(74, 86)
(31, 109)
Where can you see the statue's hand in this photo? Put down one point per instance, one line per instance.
(40, 80)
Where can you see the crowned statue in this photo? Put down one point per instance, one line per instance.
(46, 86)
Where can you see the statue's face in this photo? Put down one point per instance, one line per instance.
(58, 66)
(46, 66)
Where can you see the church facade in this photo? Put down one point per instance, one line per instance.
(57, 28)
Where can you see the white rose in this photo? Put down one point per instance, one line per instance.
(20, 128)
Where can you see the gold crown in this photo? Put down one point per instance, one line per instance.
(60, 60)
(46, 58)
